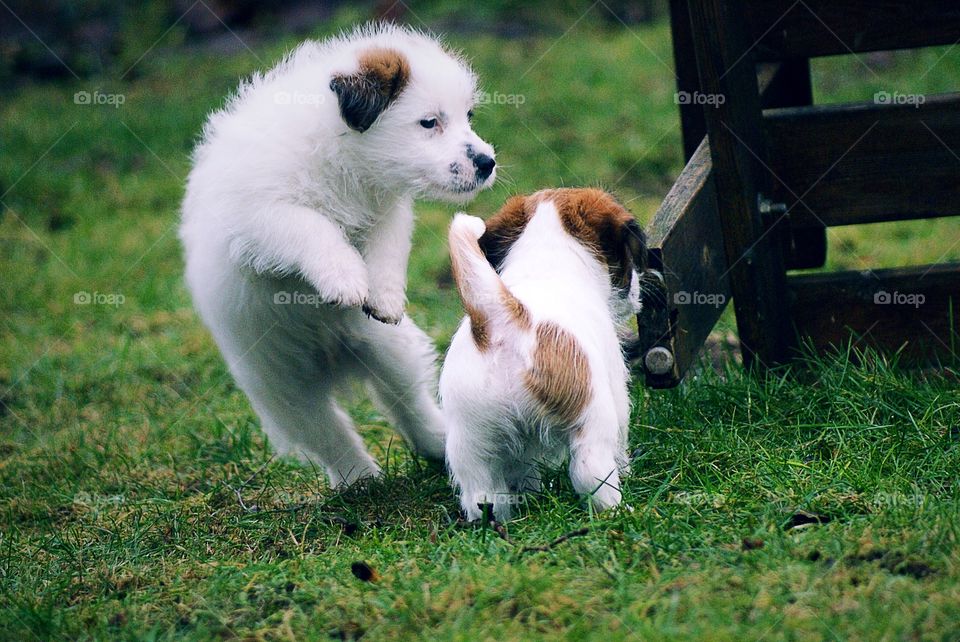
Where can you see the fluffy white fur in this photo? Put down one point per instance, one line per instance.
(498, 433)
(297, 230)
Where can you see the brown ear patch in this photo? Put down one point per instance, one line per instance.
(600, 222)
(503, 229)
(559, 379)
(363, 95)
(635, 247)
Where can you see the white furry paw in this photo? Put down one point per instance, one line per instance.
(345, 287)
(605, 497)
(344, 476)
(386, 308)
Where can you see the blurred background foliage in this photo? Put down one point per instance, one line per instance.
(98, 36)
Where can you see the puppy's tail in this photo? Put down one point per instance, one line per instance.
(487, 301)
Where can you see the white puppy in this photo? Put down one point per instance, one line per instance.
(535, 371)
(297, 227)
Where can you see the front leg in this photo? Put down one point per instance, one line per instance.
(386, 253)
(286, 239)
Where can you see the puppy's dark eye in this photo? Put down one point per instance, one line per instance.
(470, 115)
(428, 123)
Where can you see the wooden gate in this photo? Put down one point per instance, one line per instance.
(768, 171)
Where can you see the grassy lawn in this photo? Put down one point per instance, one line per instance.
(138, 499)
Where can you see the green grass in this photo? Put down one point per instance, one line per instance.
(124, 445)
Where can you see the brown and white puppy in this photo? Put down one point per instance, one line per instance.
(535, 372)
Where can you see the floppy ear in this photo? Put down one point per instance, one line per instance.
(503, 228)
(629, 253)
(363, 95)
(635, 244)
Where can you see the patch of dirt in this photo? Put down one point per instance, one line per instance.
(894, 562)
(364, 572)
(816, 556)
(720, 349)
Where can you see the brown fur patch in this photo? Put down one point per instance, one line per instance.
(559, 379)
(388, 66)
(480, 331)
(592, 216)
(504, 228)
(515, 308)
(363, 95)
(600, 222)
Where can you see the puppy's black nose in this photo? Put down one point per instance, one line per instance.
(484, 165)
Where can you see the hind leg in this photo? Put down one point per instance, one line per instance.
(318, 431)
(477, 470)
(400, 364)
(597, 453)
(524, 476)
(301, 418)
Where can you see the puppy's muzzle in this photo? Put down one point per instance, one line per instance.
(484, 166)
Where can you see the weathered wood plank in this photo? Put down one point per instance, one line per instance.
(866, 162)
(686, 247)
(915, 309)
(787, 84)
(786, 29)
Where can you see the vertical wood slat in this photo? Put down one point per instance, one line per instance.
(756, 271)
(692, 124)
(788, 84)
